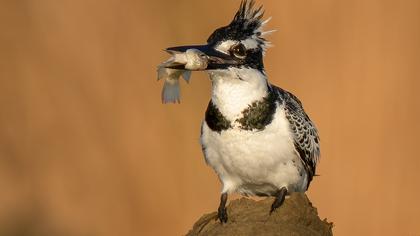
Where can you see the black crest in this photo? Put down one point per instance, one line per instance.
(246, 23)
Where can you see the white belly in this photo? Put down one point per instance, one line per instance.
(255, 162)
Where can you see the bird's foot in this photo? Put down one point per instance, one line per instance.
(222, 215)
(280, 196)
(221, 211)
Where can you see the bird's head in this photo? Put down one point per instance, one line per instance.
(239, 45)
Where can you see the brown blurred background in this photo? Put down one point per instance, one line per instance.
(87, 148)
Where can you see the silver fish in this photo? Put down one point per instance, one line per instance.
(192, 59)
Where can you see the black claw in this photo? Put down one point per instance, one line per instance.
(280, 195)
(273, 208)
(222, 212)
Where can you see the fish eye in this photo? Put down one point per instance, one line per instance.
(238, 51)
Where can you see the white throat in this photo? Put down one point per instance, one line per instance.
(235, 89)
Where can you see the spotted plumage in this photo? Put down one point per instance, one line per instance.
(260, 113)
(256, 136)
(305, 134)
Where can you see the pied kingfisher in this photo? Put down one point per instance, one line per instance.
(256, 136)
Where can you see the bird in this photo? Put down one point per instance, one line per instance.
(255, 135)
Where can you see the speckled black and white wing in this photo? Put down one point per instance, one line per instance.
(305, 134)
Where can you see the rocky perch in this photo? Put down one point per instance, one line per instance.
(296, 216)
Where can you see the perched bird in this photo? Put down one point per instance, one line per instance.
(256, 136)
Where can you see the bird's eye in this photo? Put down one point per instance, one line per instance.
(239, 51)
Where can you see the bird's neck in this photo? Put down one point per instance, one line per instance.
(232, 95)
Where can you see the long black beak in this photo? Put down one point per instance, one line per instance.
(216, 59)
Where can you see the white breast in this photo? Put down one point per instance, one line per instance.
(233, 90)
(255, 162)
